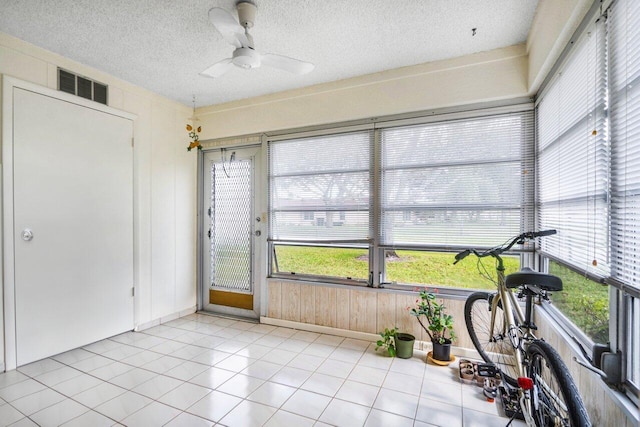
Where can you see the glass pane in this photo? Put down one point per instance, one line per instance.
(583, 301)
(345, 263)
(433, 192)
(319, 188)
(231, 207)
(437, 269)
(449, 227)
(320, 225)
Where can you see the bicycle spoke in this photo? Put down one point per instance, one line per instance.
(494, 345)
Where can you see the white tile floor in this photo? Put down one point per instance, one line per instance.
(203, 370)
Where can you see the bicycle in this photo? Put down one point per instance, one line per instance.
(531, 369)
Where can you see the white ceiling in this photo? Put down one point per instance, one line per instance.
(162, 45)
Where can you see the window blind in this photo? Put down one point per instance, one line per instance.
(319, 188)
(573, 168)
(624, 55)
(465, 182)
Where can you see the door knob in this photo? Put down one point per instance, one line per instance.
(27, 235)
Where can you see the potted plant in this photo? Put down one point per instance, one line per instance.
(437, 324)
(404, 345)
(387, 341)
(396, 343)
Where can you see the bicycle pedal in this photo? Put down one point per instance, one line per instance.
(487, 370)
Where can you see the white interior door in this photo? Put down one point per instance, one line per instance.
(233, 226)
(73, 225)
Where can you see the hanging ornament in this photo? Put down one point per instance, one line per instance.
(193, 130)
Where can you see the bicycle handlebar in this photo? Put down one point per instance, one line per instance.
(495, 252)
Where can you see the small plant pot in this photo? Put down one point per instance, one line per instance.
(442, 351)
(404, 345)
(467, 374)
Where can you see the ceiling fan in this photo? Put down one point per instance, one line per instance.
(245, 56)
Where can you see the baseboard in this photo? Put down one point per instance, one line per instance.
(319, 329)
(365, 336)
(165, 319)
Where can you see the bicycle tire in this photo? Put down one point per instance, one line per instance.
(545, 365)
(493, 347)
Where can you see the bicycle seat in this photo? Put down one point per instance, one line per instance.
(527, 276)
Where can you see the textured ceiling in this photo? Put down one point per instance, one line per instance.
(162, 45)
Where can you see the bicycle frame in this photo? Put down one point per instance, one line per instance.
(517, 336)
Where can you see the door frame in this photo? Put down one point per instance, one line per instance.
(7, 234)
(259, 244)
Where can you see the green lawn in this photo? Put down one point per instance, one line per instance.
(412, 267)
(583, 301)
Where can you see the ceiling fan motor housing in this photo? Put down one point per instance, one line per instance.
(246, 13)
(245, 57)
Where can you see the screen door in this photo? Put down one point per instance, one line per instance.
(232, 228)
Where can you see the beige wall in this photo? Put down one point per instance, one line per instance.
(553, 25)
(164, 181)
(487, 76)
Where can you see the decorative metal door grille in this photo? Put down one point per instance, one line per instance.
(231, 225)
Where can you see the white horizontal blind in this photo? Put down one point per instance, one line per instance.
(319, 188)
(466, 182)
(573, 177)
(624, 56)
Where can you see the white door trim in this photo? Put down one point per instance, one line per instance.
(7, 235)
(259, 245)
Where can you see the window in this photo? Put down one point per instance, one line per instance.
(463, 179)
(588, 122)
(584, 301)
(319, 198)
(457, 183)
(573, 183)
(428, 268)
(573, 159)
(623, 25)
(624, 53)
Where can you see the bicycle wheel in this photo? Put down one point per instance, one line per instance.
(493, 345)
(556, 401)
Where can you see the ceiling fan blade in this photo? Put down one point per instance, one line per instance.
(218, 69)
(228, 27)
(287, 64)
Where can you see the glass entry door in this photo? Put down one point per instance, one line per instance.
(232, 231)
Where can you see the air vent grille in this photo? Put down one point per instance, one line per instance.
(82, 86)
(66, 82)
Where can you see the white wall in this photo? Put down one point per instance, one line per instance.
(164, 182)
